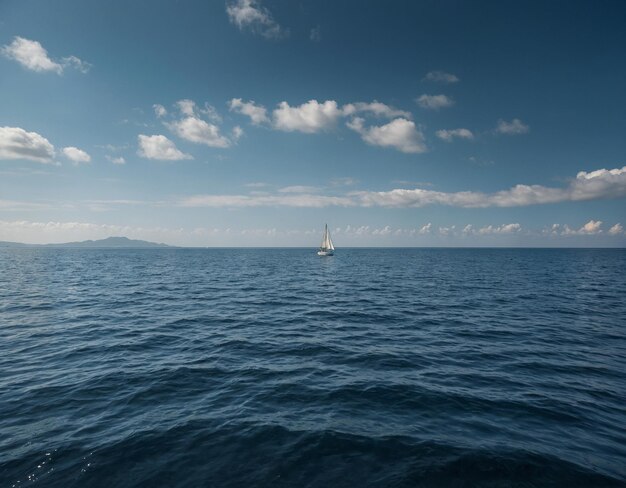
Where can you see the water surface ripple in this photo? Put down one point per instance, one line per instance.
(274, 367)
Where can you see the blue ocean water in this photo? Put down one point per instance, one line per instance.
(275, 367)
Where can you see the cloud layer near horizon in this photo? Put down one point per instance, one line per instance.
(593, 185)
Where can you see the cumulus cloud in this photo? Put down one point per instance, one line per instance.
(500, 229)
(434, 102)
(310, 117)
(159, 147)
(251, 15)
(378, 109)
(33, 56)
(400, 133)
(515, 126)
(441, 77)
(196, 130)
(449, 135)
(76, 155)
(16, 143)
(616, 230)
(257, 113)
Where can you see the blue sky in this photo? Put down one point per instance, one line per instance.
(253, 123)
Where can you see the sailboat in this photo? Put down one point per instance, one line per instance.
(327, 248)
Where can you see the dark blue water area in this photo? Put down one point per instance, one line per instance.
(275, 367)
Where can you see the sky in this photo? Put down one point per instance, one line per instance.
(255, 122)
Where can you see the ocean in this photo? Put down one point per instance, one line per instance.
(275, 367)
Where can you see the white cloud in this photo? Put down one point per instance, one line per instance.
(441, 77)
(159, 147)
(449, 135)
(434, 102)
(591, 227)
(310, 117)
(299, 189)
(16, 143)
(197, 130)
(76, 155)
(187, 107)
(587, 186)
(33, 56)
(257, 113)
(617, 229)
(401, 134)
(116, 160)
(426, 229)
(378, 109)
(249, 14)
(194, 129)
(501, 229)
(516, 126)
(76, 63)
(159, 110)
(237, 132)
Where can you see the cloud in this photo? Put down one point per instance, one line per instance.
(76, 155)
(426, 229)
(76, 63)
(186, 107)
(299, 189)
(441, 77)
(159, 147)
(310, 117)
(516, 126)
(197, 130)
(33, 56)
(599, 184)
(449, 135)
(194, 129)
(434, 102)
(249, 14)
(617, 229)
(400, 134)
(159, 110)
(375, 108)
(237, 132)
(303, 200)
(501, 229)
(257, 113)
(592, 227)
(116, 160)
(16, 143)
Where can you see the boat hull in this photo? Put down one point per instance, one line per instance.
(325, 253)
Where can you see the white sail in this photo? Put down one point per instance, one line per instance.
(327, 243)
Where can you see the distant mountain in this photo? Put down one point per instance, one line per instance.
(109, 242)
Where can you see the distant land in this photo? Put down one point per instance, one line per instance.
(109, 242)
